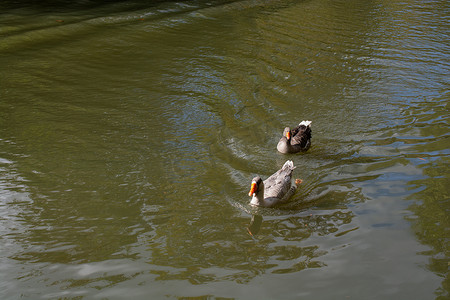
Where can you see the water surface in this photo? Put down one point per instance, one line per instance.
(130, 131)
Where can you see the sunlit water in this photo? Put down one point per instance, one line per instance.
(129, 133)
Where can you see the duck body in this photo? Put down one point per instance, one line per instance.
(297, 139)
(276, 189)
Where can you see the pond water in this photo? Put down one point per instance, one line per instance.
(130, 131)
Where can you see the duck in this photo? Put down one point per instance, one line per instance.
(297, 139)
(276, 189)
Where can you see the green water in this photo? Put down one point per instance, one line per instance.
(130, 132)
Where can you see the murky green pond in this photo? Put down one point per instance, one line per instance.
(130, 131)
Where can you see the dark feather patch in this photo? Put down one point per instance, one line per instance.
(300, 135)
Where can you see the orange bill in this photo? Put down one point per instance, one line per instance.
(288, 135)
(252, 189)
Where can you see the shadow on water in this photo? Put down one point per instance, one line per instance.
(75, 5)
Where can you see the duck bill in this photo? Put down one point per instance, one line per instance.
(252, 189)
(288, 135)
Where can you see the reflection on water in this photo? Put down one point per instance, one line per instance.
(129, 133)
(430, 221)
(255, 225)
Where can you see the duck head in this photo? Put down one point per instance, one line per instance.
(256, 187)
(257, 192)
(287, 133)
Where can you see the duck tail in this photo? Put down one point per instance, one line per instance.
(306, 123)
(288, 165)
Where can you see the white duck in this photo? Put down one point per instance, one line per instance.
(276, 189)
(297, 139)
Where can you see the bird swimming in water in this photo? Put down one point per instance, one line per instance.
(297, 139)
(276, 189)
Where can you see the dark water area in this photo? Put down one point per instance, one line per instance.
(130, 132)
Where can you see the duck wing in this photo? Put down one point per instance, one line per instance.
(279, 183)
(301, 135)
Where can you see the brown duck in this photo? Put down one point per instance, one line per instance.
(297, 139)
